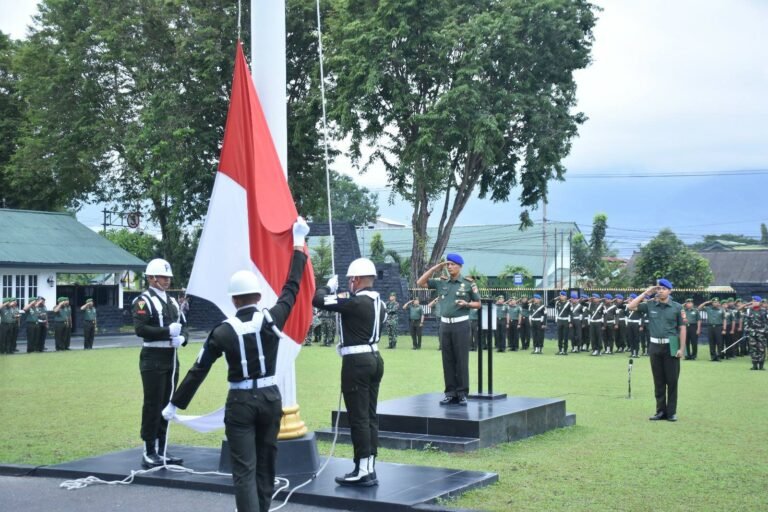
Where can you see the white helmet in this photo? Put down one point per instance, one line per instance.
(361, 267)
(243, 282)
(159, 267)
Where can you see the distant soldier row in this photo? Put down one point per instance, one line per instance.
(36, 318)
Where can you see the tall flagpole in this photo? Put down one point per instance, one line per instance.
(269, 77)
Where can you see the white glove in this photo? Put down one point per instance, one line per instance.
(333, 283)
(338, 349)
(174, 329)
(177, 341)
(169, 411)
(300, 230)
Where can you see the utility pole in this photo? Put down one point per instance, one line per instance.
(544, 273)
(570, 258)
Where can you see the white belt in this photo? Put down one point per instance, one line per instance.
(563, 319)
(610, 321)
(660, 341)
(359, 349)
(537, 319)
(595, 321)
(250, 383)
(157, 344)
(634, 321)
(456, 320)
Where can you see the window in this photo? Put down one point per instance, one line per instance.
(32, 289)
(7, 286)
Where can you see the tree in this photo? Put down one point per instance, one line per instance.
(377, 248)
(666, 256)
(507, 274)
(141, 245)
(350, 202)
(321, 261)
(126, 103)
(728, 237)
(10, 113)
(763, 234)
(459, 96)
(589, 257)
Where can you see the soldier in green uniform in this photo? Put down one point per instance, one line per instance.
(715, 326)
(62, 322)
(42, 324)
(6, 322)
(666, 322)
(693, 329)
(415, 321)
(393, 318)
(525, 323)
(11, 318)
(728, 334)
(563, 320)
(329, 328)
(502, 324)
(89, 323)
(30, 319)
(457, 296)
(515, 314)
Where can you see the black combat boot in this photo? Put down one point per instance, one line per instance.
(149, 458)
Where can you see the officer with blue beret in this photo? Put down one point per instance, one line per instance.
(563, 313)
(457, 296)
(596, 326)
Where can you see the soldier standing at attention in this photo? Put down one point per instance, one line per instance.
(42, 324)
(538, 323)
(634, 327)
(577, 313)
(563, 318)
(584, 301)
(756, 327)
(667, 326)
(502, 324)
(621, 323)
(157, 319)
(329, 328)
(514, 314)
(249, 343)
(457, 296)
(62, 319)
(525, 323)
(715, 327)
(89, 324)
(362, 368)
(393, 317)
(596, 326)
(609, 323)
(6, 320)
(415, 320)
(692, 330)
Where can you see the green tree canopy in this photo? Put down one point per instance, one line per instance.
(10, 114)
(459, 97)
(666, 256)
(141, 245)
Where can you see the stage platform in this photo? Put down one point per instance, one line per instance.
(419, 422)
(401, 487)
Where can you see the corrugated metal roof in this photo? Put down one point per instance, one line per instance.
(738, 266)
(57, 240)
(489, 248)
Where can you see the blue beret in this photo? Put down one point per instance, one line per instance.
(607, 296)
(456, 258)
(574, 295)
(619, 296)
(757, 298)
(563, 294)
(584, 296)
(536, 296)
(632, 295)
(665, 283)
(595, 295)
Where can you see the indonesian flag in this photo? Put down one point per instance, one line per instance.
(249, 224)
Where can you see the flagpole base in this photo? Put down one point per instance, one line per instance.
(291, 426)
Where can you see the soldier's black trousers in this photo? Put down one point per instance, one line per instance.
(525, 333)
(621, 335)
(576, 334)
(156, 366)
(31, 337)
(59, 335)
(538, 334)
(42, 334)
(666, 371)
(454, 340)
(608, 336)
(474, 329)
(360, 379)
(512, 336)
(633, 337)
(596, 335)
(252, 422)
(416, 329)
(715, 341)
(562, 335)
(691, 340)
(500, 335)
(5, 338)
(585, 332)
(89, 332)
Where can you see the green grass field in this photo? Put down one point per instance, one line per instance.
(66, 405)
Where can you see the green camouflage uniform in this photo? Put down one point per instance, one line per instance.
(328, 320)
(393, 311)
(756, 328)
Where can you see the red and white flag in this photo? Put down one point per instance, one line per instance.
(249, 223)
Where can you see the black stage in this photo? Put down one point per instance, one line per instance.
(401, 487)
(418, 422)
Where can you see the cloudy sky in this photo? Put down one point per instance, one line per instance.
(675, 88)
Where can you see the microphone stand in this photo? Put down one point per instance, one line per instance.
(629, 380)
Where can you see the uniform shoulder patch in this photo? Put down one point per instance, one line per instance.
(140, 304)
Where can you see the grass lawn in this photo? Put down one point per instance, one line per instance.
(66, 405)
